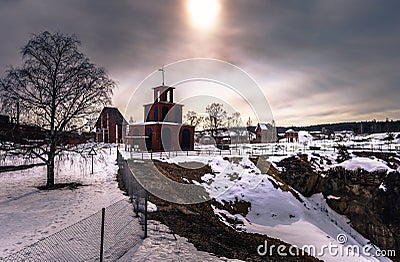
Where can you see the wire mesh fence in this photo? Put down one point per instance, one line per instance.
(82, 240)
(137, 194)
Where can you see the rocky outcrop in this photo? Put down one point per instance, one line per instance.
(299, 174)
(370, 200)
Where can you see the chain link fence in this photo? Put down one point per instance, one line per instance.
(137, 194)
(82, 241)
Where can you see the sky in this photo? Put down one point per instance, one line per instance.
(314, 61)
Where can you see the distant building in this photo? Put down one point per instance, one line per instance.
(265, 133)
(110, 126)
(162, 129)
(291, 135)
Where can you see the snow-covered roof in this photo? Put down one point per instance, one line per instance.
(290, 131)
(263, 126)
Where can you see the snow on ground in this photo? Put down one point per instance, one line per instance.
(321, 161)
(151, 207)
(162, 246)
(304, 136)
(29, 214)
(278, 213)
(368, 164)
(382, 136)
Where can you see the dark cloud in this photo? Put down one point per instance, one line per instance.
(312, 57)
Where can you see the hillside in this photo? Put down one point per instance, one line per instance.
(252, 198)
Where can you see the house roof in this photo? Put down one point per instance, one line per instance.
(290, 131)
(113, 113)
(263, 126)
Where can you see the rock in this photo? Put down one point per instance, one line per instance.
(373, 212)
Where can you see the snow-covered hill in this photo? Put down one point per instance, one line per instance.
(278, 211)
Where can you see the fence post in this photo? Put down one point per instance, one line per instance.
(145, 213)
(137, 203)
(103, 211)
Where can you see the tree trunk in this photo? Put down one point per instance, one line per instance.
(18, 114)
(50, 168)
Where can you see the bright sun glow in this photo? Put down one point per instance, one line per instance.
(203, 12)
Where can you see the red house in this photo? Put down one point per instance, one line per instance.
(162, 129)
(291, 135)
(110, 126)
(265, 133)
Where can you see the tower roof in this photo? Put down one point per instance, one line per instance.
(163, 87)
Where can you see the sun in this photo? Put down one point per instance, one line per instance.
(203, 13)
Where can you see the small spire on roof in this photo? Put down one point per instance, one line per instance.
(162, 70)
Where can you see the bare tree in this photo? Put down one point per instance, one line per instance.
(234, 120)
(234, 123)
(193, 119)
(216, 116)
(249, 122)
(59, 88)
(10, 103)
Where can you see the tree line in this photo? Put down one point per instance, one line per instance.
(216, 117)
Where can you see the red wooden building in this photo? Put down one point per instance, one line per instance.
(265, 133)
(110, 126)
(291, 136)
(162, 129)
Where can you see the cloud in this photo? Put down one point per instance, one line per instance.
(318, 60)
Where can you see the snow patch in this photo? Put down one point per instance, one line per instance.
(333, 197)
(275, 212)
(151, 207)
(304, 136)
(382, 187)
(368, 164)
(160, 245)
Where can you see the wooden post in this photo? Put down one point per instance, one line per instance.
(145, 214)
(92, 165)
(137, 204)
(103, 211)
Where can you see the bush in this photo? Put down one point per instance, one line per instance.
(343, 154)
